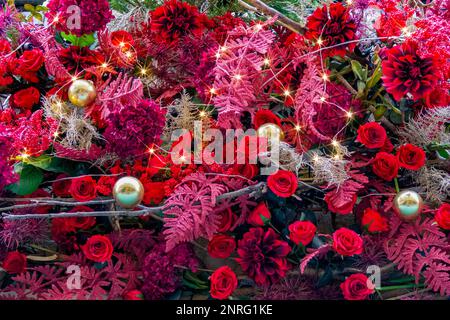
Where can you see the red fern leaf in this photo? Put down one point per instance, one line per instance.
(315, 254)
(190, 210)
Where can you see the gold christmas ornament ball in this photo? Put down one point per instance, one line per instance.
(82, 93)
(408, 205)
(269, 130)
(128, 192)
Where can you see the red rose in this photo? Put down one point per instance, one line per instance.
(385, 166)
(372, 135)
(83, 188)
(259, 216)
(357, 287)
(83, 223)
(31, 60)
(221, 246)
(347, 242)
(15, 262)
(28, 64)
(26, 98)
(154, 192)
(98, 248)
(105, 185)
(248, 171)
(265, 116)
(302, 232)
(442, 216)
(337, 204)
(122, 39)
(223, 283)
(373, 221)
(411, 157)
(61, 187)
(227, 220)
(283, 183)
(133, 295)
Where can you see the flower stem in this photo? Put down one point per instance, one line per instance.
(397, 188)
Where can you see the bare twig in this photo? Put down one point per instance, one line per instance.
(269, 11)
(153, 212)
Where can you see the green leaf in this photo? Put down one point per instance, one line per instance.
(357, 69)
(376, 76)
(43, 162)
(192, 281)
(30, 179)
(41, 8)
(82, 41)
(443, 154)
(29, 7)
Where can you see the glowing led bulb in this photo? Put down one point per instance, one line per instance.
(212, 91)
(202, 114)
(286, 93)
(335, 143)
(349, 114)
(322, 99)
(266, 61)
(325, 77)
(151, 150)
(238, 77)
(298, 127)
(319, 41)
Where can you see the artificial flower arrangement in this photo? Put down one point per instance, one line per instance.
(352, 97)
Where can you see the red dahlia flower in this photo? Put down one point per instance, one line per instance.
(405, 72)
(262, 255)
(332, 27)
(175, 19)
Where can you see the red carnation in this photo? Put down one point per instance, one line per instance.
(302, 232)
(221, 246)
(385, 166)
(332, 27)
(442, 216)
(105, 185)
(357, 287)
(259, 216)
(26, 98)
(404, 71)
(98, 248)
(373, 221)
(265, 116)
(83, 188)
(154, 192)
(175, 19)
(347, 242)
(372, 135)
(15, 262)
(262, 255)
(283, 183)
(223, 283)
(411, 157)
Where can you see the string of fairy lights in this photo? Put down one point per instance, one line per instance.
(143, 71)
